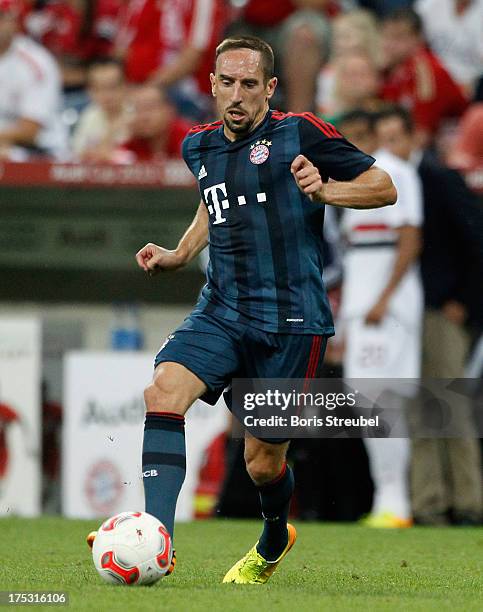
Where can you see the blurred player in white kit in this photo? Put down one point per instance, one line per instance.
(381, 311)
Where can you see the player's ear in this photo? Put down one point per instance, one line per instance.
(213, 82)
(271, 85)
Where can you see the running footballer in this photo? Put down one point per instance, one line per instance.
(263, 177)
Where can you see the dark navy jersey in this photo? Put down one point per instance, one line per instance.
(265, 236)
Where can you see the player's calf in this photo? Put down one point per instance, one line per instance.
(274, 480)
(167, 398)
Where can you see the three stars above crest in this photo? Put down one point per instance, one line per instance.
(268, 143)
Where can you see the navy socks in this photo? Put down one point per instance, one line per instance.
(164, 464)
(275, 499)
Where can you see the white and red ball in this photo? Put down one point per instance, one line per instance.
(132, 548)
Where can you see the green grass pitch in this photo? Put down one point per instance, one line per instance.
(332, 567)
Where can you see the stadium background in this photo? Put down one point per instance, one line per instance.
(73, 215)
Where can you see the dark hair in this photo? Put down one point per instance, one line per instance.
(406, 15)
(400, 113)
(253, 43)
(359, 114)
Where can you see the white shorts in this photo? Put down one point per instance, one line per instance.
(388, 350)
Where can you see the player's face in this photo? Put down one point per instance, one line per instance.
(392, 135)
(241, 91)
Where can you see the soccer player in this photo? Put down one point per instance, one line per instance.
(263, 312)
(381, 310)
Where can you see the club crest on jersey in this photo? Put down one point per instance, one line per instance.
(259, 151)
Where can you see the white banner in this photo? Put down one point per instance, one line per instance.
(20, 416)
(103, 432)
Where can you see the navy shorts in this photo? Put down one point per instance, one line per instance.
(217, 351)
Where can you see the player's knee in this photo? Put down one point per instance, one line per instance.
(160, 396)
(262, 467)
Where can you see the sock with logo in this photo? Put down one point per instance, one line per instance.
(275, 499)
(164, 464)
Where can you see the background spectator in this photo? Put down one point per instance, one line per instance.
(454, 31)
(354, 34)
(414, 77)
(299, 32)
(172, 44)
(75, 31)
(103, 125)
(446, 473)
(29, 93)
(356, 86)
(467, 150)
(156, 131)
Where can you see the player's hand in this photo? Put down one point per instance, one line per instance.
(308, 178)
(153, 259)
(377, 313)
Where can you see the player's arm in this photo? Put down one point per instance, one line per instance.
(408, 250)
(153, 258)
(324, 154)
(373, 188)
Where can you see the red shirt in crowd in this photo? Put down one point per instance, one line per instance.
(153, 32)
(266, 12)
(59, 26)
(145, 150)
(422, 85)
(269, 13)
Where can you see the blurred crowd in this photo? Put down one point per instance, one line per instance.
(121, 81)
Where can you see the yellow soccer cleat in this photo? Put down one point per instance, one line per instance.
(253, 568)
(386, 520)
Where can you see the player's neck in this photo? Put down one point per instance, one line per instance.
(259, 119)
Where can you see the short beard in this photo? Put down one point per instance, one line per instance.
(244, 128)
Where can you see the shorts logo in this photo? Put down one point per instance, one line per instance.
(259, 152)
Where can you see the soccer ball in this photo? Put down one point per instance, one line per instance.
(132, 548)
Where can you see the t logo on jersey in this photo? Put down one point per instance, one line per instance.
(211, 193)
(216, 206)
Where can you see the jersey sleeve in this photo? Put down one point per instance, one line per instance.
(333, 155)
(187, 153)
